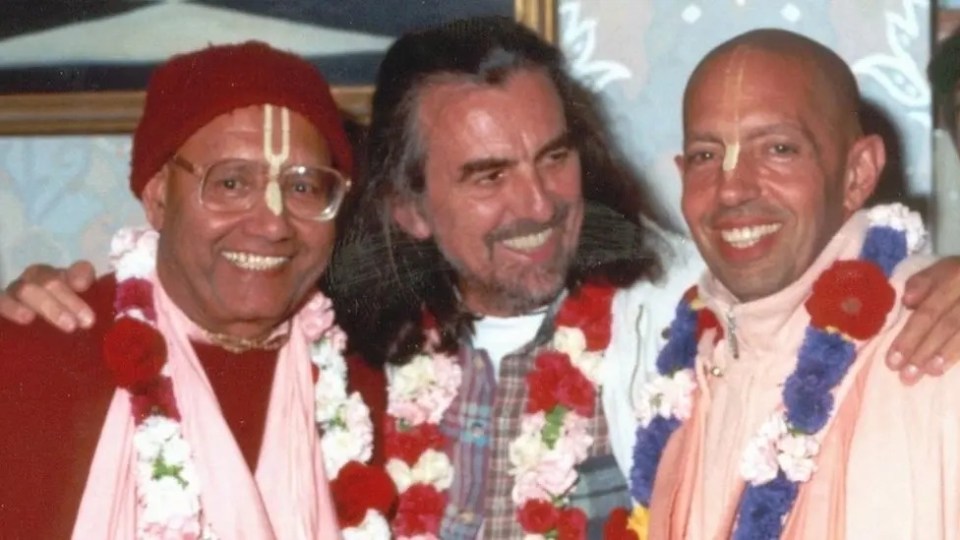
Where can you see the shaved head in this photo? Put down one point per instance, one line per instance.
(831, 82)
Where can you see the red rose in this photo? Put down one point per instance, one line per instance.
(589, 310)
(616, 526)
(155, 397)
(359, 488)
(852, 296)
(134, 352)
(135, 293)
(408, 444)
(538, 516)
(706, 320)
(544, 379)
(576, 392)
(572, 524)
(419, 511)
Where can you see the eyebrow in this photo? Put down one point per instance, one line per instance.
(563, 140)
(753, 133)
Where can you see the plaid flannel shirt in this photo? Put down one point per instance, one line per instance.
(480, 425)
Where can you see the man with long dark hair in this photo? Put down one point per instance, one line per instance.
(503, 266)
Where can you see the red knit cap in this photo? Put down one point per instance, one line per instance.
(192, 89)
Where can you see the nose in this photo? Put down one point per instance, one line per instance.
(264, 222)
(530, 196)
(739, 184)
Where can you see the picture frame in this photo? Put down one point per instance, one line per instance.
(75, 111)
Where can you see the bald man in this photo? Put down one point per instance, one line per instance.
(790, 427)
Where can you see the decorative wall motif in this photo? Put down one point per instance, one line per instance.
(655, 45)
(61, 197)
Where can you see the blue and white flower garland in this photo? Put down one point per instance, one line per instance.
(781, 455)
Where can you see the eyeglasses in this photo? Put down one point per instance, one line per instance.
(236, 185)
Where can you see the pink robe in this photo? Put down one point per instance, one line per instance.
(889, 465)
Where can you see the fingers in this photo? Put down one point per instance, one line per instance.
(45, 291)
(80, 276)
(929, 343)
(15, 311)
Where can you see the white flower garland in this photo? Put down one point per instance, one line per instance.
(168, 486)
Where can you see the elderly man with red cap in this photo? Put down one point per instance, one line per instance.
(191, 408)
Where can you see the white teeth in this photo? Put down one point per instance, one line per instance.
(744, 237)
(250, 261)
(528, 242)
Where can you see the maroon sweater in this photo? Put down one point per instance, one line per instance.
(54, 395)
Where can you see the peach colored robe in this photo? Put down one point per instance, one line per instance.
(889, 465)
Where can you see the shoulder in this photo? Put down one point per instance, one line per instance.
(40, 349)
(655, 301)
(54, 395)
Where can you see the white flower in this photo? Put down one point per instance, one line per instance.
(339, 447)
(758, 465)
(899, 217)
(423, 389)
(556, 472)
(152, 434)
(133, 252)
(329, 396)
(774, 448)
(433, 468)
(589, 363)
(526, 487)
(526, 451)
(411, 379)
(570, 340)
(795, 455)
(166, 502)
(576, 438)
(400, 473)
(667, 396)
(373, 527)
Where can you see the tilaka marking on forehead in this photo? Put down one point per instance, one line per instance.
(272, 194)
(732, 86)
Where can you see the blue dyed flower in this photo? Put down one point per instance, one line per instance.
(650, 443)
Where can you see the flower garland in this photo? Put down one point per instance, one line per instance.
(418, 394)
(168, 490)
(849, 302)
(562, 390)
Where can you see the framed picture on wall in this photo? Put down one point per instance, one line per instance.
(82, 67)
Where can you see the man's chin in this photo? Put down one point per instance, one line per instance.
(529, 296)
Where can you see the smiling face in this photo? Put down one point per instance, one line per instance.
(239, 273)
(502, 197)
(772, 167)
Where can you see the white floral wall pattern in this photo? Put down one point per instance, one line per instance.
(61, 197)
(653, 45)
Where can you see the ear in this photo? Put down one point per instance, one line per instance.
(679, 162)
(154, 198)
(865, 162)
(410, 218)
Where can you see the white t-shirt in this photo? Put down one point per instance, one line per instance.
(500, 336)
